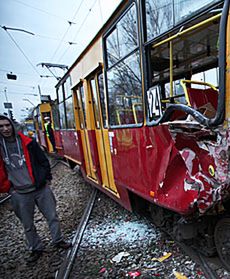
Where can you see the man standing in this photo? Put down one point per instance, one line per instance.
(50, 132)
(25, 173)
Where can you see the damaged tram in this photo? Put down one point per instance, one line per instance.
(145, 112)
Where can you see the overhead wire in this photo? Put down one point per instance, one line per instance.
(20, 85)
(66, 31)
(62, 39)
(43, 11)
(22, 93)
(23, 53)
(64, 35)
(90, 9)
(34, 34)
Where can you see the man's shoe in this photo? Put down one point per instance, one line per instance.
(34, 256)
(63, 244)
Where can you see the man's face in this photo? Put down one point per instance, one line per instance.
(6, 129)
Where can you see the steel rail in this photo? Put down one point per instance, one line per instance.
(5, 199)
(66, 267)
(199, 258)
(208, 271)
(57, 162)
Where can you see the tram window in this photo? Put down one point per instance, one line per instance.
(160, 63)
(83, 104)
(124, 92)
(95, 102)
(70, 123)
(67, 88)
(102, 98)
(112, 48)
(194, 57)
(55, 114)
(163, 15)
(159, 17)
(60, 94)
(62, 116)
(184, 9)
(124, 73)
(79, 91)
(178, 92)
(123, 38)
(209, 76)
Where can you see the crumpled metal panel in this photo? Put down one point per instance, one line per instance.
(180, 170)
(207, 162)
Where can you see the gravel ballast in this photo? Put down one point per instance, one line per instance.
(116, 243)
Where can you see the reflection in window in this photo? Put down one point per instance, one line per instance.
(95, 102)
(124, 89)
(163, 15)
(159, 17)
(55, 114)
(67, 88)
(81, 106)
(102, 98)
(60, 94)
(123, 39)
(69, 113)
(184, 9)
(62, 116)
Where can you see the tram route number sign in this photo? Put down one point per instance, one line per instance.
(154, 103)
(8, 105)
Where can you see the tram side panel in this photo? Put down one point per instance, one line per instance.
(58, 141)
(142, 158)
(71, 145)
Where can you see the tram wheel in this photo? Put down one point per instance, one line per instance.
(222, 241)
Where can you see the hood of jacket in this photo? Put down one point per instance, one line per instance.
(11, 122)
(3, 148)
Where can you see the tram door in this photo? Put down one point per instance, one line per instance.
(84, 125)
(96, 89)
(95, 140)
(45, 110)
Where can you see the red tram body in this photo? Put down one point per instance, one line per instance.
(143, 125)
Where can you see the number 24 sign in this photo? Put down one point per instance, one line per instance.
(154, 102)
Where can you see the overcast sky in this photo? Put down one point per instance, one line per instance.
(21, 52)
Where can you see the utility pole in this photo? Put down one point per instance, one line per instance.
(5, 94)
(39, 91)
(8, 105)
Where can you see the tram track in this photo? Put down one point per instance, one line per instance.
(203, 261)
(200, 259)
(208, 271)
(4, 199)
(65, 269)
